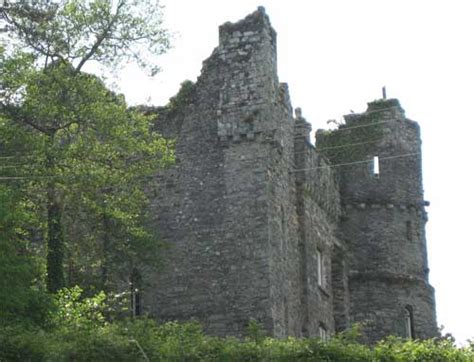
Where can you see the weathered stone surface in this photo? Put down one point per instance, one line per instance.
(251, 207)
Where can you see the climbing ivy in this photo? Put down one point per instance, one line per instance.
(183, 97)
(353, 142)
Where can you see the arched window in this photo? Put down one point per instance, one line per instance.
(408, 322)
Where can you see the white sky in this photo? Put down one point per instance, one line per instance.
(336, 55)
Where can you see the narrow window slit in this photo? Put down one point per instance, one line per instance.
(135, 296)
(376, 166)
(409, 231)
(409, 325)
(320, 266)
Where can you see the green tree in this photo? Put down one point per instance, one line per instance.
(84, 155)
(21, 294)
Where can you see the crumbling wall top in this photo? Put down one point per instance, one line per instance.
(257, 22)
(378, 110)
(383, 104)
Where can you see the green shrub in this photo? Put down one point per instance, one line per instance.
(75, 311)
(142, 339)
(91, 344)
(21, 343)
(396, 349)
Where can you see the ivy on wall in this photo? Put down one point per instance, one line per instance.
(183, 97)
(353, 142)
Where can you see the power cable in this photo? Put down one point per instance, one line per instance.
(340, 146)
(294, 170)
(357, 162)
(342, 128)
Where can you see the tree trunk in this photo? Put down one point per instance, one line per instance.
(55, 257)
(105, 250)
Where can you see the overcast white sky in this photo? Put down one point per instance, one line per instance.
(336, 55)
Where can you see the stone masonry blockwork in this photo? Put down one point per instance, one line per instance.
(260, 224)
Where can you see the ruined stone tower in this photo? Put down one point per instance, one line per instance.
(260, 224)
(383, 224)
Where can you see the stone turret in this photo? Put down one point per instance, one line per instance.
(384, 220)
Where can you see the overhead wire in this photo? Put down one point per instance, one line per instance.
(347, 129)
(16, 157)
(25, 177)
(359, 126)
(294, 170)
(340, 146)
(357, 162)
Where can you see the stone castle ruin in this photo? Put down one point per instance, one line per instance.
(260, 224)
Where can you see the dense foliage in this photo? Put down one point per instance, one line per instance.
(22, 296)
(77, 339)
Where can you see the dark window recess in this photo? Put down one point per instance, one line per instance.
(135, 297)
(408, 322)
(136, 303)
(409, 231)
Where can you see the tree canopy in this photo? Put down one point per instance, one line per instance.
(81, 157)
(81, 31)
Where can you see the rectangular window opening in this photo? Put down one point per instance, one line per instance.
(409, 325)
(376, 166)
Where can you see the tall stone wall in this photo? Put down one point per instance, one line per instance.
(318, 208)
(226, 210)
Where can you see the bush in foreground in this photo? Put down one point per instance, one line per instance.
(83, 329)
(145, 340)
